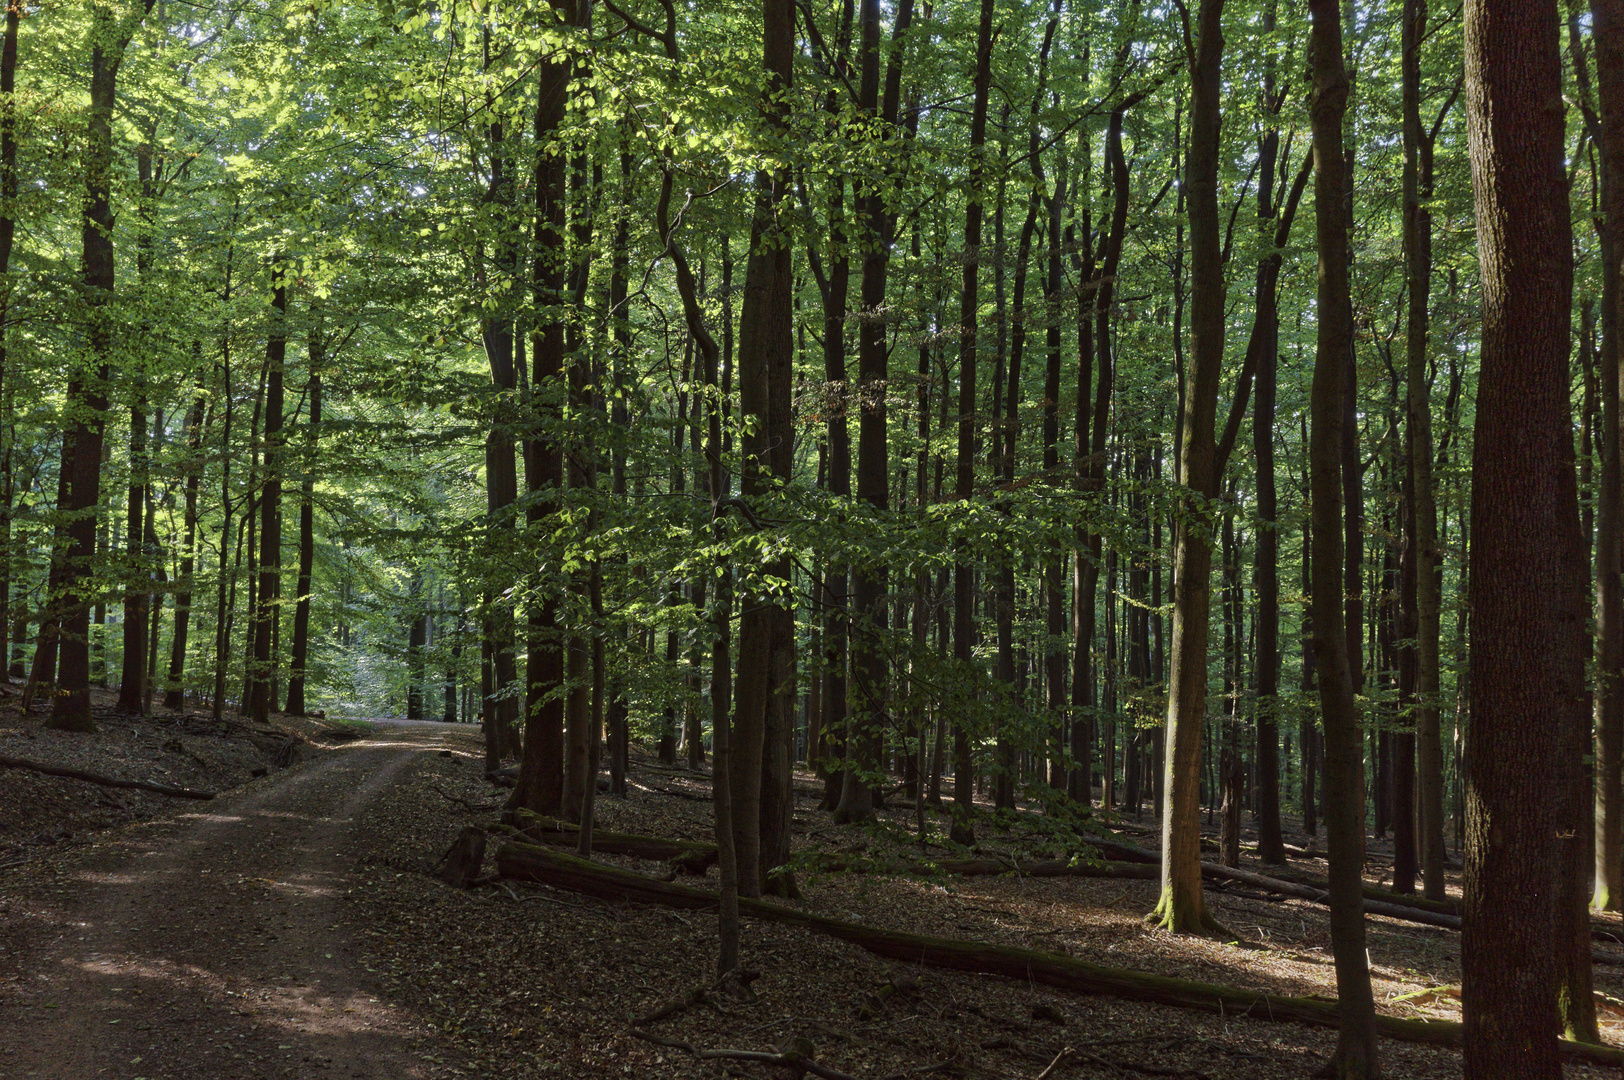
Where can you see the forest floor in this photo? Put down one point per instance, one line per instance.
(288, 927)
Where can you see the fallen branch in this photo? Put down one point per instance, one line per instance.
(477, 807)
(794, 1058)
(692, 857)
(1079, 976)
(104, 781)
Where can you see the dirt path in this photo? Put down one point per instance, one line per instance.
(218, 944)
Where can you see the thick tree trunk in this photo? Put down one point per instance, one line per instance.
(541, 769)
(88, 381)
(1526, 562)
(1355, 1056)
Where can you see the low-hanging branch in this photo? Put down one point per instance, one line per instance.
(532, 863)
(104, 781)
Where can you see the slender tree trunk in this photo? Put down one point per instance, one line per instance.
(196, 421)
(1182, 907)
(963, 831)
(1526, 561)
(300, 658)
(1355, 1057)
(267, 606)
(1607, 21)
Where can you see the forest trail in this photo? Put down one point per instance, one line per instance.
(219, 943)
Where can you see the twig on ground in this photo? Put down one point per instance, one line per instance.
(477, 807)
(793, 1059)
(1059, 1059)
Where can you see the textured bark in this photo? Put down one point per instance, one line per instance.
(1526, 561)
(1355, 1056)
(541, 769)
(761, 713)
(1182, 907)
(88, 379)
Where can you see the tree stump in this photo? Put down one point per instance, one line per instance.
(461, 863)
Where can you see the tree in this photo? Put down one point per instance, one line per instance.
(1182, 907)
(1355, 1056)
(1526, 556)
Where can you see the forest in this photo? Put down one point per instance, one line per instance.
(1027, 414)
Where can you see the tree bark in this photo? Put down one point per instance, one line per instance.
(1355, 1056)
(267, 600)
(1526, 562)
(88, 380)
(300, 652)
(541, 770)
(1607, 27)
(963, 830)
(1182, 907)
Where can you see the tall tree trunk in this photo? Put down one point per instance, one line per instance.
(963, 831)
(873, 457)
(1526, 562)
(267, 603)
(1355, 1056)
(541, 769)
(196, 420)
(1182, 907)
(1608, 34)
(1419, 450)
(89, 379)
(133, 688)
(300, 657)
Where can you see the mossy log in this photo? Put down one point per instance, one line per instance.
(532, 863)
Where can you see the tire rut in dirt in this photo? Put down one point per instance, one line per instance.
(215, 946)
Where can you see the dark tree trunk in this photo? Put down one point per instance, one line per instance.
(963, 831)
(541, 770)
(196, 421)
(1608, 34)
(87, 389)
(267, 607)
(1526, 561)
(300, 653)
(1355, 1057)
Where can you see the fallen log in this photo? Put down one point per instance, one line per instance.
(104, 781)
(693, 857)
(533, 863)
